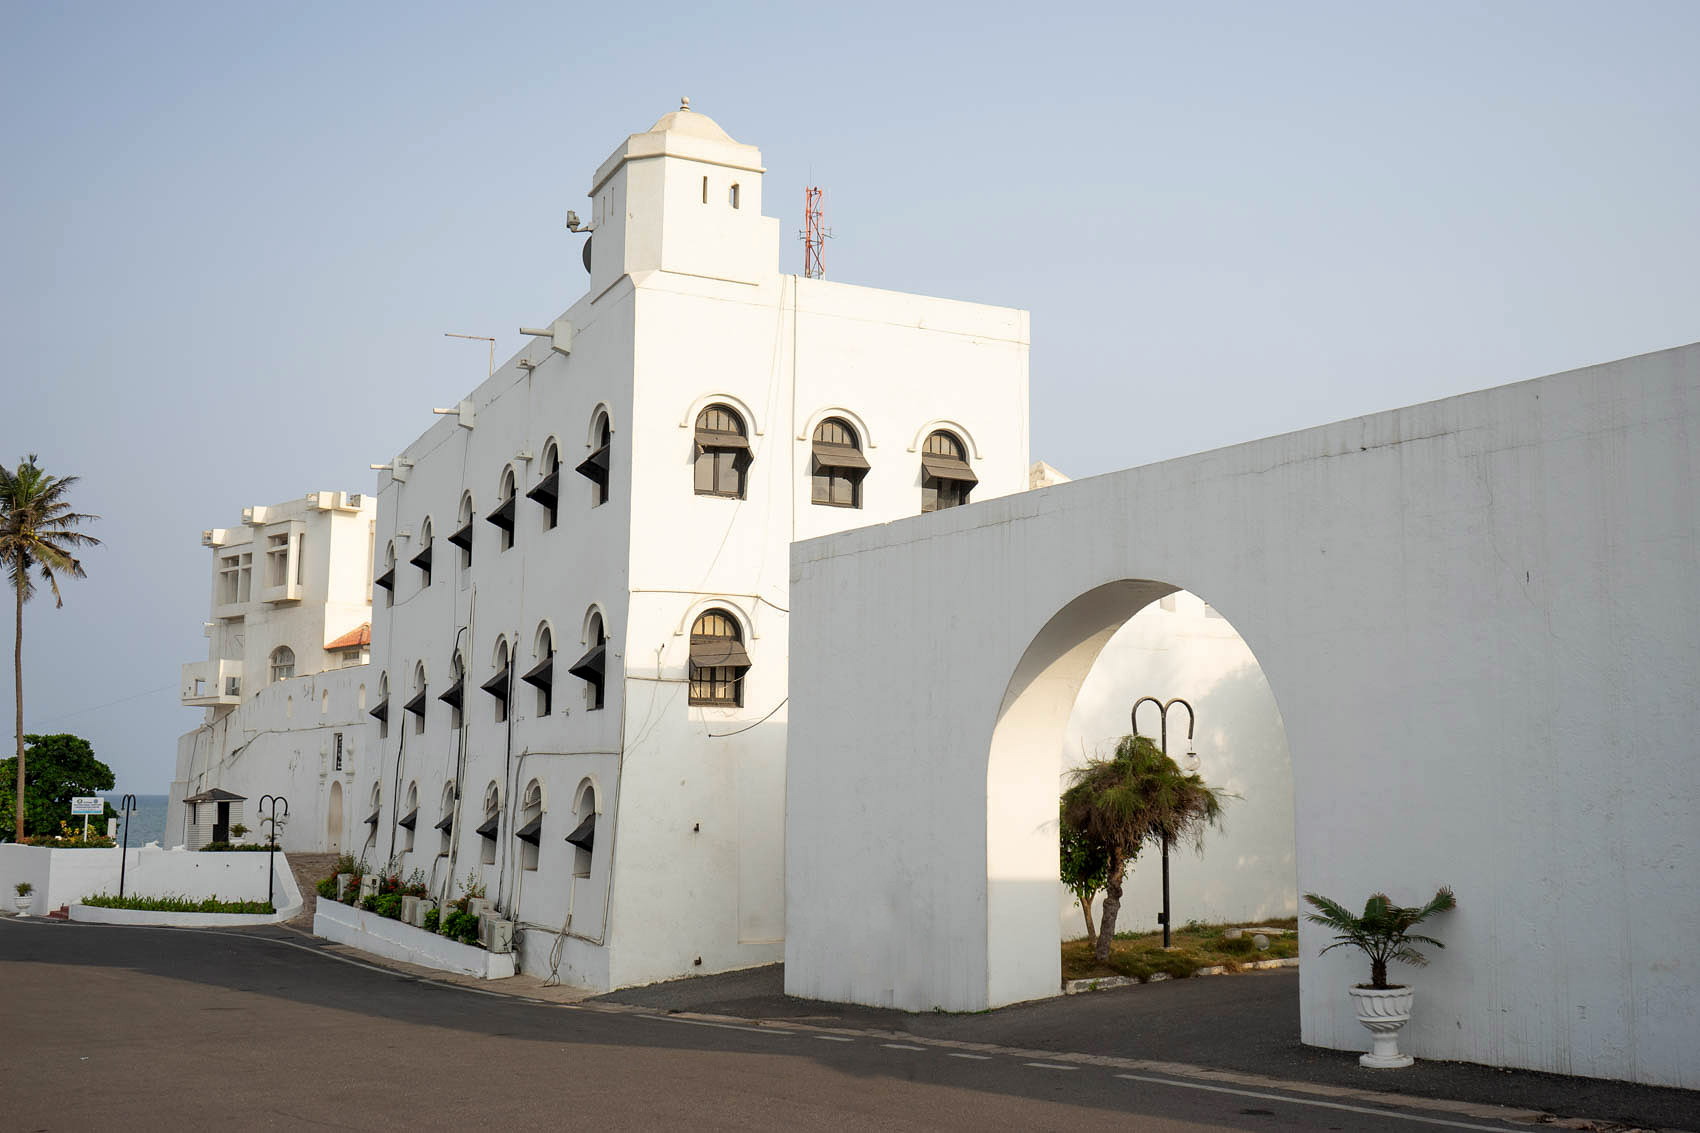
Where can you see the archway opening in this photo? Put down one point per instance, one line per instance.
(333, 818)
(1071, 697)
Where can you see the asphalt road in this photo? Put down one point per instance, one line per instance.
(139, 1028)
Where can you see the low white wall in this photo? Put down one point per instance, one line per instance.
(95, 915)
(65, 877)
(381, 936)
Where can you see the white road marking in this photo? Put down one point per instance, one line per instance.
(1050, 1066)
(720, 1026)
(834, 1039)
(901, 1046)
(1387, 1113)
(976, 1057)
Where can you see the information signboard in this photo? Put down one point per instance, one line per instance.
(88, 805)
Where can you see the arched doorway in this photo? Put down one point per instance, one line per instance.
(333, 819)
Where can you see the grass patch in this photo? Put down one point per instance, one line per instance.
(1141, 956)
(178, 904)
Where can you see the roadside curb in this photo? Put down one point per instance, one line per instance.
(1105, 983)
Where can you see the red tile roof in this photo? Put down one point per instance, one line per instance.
(353, 638)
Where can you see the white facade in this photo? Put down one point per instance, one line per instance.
(285, 682)
(1481, 621)
(687, 323)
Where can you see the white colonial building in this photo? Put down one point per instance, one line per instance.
(580, 634)
(285, 683)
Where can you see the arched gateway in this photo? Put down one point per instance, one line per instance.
(1481, 620)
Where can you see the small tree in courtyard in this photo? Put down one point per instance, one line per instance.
(1137, 795)
(1085, 867)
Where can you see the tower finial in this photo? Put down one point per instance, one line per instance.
(685, 102)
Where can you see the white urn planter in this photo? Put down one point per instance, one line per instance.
(23, 902)
(1383, 1011)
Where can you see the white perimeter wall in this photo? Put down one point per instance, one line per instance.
(1481, 621)
(1183, 647)
(63, 877)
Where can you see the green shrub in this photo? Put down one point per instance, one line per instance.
(389, 905)
(462, 926)
(178, 904)
(227, 847)
(327, 888)
(370, 904)
(432, 920)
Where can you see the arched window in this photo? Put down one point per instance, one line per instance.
(592, 668)
(548, 489)
(595, 466)
(491, 825)
(372, 817)
(499, 685)
(718, 660)
(416, 703)
(386, 580)
(723, 453)
(410, 817)
(946, 478)
(530, 831)
(541, 676)
(423, 559)
(838, 465)
(503, 516)
(283, 663)
(462, 536)
(446, 819)
(455, 697)
(381, 710)
(583, 837)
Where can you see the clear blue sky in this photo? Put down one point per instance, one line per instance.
(235, 233)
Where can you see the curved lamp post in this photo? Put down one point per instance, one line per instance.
(128, 807)
(271, 840)
(1191, 765)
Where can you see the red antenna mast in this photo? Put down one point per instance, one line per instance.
(814, 235)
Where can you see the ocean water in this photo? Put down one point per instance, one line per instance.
(147, 821)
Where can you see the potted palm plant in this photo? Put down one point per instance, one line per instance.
(1382, 933)
(25, 889)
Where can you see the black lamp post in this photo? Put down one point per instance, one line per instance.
(1163, 918)
(271, 841)
(127, 806)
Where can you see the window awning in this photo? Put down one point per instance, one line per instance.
(531, 832)
(592, 665)
(372, 819)
(423, 559)
(584, 834)
(497, 686)
(386, 580)
(548, 489)
(947, 468)
(417, 704)
(410, 820)
(447, 822)
(840, 456)
(487, 828)
(503, 516)
(381, 710)
(714, 438)
(453, 695)
(542, 674)
(716, 652)
(595, 466)
(463, 537)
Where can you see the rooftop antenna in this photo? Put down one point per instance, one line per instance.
(814, 235)
(480, 338)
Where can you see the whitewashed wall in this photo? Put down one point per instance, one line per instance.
(1480, 619)
(64, 877)
(1183, 647)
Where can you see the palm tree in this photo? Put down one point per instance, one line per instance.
(37, 532)
(1383, 933)
(1138, 795)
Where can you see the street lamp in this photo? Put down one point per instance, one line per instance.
(1191, 765)
(128, 805)
(271, 841)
